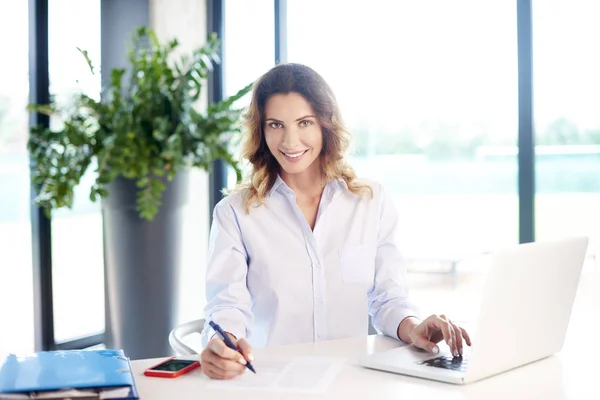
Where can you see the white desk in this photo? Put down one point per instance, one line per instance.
(571, 374)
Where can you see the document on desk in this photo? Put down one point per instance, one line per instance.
(301, 374)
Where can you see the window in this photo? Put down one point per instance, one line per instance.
(77, 245)
(249, 42)
(16, 287)
(431, 99)
(567, 121)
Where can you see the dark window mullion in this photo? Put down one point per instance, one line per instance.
(216, 23)
(526, 163)
(40, 225)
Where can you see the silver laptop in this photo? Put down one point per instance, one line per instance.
(524, 314)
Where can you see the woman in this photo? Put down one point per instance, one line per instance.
(305, 251)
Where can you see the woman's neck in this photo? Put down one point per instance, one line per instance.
(306, 184)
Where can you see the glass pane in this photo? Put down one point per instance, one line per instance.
(431, 99)
(567, 121)
(249, 49)
(16, 289)
(77, 246)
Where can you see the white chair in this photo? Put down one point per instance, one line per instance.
(180, 332)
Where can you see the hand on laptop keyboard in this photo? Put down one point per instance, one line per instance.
(427, 333)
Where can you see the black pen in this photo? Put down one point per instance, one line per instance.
(228, 342)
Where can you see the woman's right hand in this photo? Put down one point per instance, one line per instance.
(220, 362)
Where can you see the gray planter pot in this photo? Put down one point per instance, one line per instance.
(141, 266)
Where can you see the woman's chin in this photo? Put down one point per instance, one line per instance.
(302, 166)
(294, 169)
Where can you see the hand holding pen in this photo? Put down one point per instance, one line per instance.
(225, 357)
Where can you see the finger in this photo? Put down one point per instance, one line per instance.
(454, 344)
(227, 371)
(455, 340)
(245, 348)
(219, 347)
(466, 336)
(422, 343)
(208, 356)
(459, 338)
(222, 366)
(214, 372)
(223, 363)
(443, 326)
(211, 371)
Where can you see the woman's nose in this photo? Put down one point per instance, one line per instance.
(291, 138)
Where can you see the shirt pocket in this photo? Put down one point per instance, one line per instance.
(358, 263)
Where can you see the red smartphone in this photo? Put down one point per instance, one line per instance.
(172, 368)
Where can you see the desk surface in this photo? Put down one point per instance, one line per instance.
(570, 374)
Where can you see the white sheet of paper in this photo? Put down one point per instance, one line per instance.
(301, 374)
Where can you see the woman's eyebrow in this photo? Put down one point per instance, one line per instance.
(299, 119)
(305, 117)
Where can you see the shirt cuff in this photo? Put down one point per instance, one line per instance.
(393, 319)
(236, 328)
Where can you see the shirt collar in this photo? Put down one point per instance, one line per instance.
(333, 188)
(278, 183)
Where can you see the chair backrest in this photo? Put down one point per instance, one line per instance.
(180, 332)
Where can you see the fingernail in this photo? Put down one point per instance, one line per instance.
(250, 357)
(242, 361)
(436, 350)
(455, 353)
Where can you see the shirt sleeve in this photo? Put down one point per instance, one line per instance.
(227, 295)
(389, 300)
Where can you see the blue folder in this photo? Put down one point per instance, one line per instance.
(72, 369)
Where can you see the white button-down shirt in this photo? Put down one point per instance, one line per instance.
(273, 280)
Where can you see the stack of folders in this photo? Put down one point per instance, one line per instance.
(74, 374)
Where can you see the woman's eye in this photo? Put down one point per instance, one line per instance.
(275, 125)
(306, 122)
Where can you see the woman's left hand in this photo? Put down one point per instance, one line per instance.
(434, 329)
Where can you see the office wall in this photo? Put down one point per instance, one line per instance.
(185, 20)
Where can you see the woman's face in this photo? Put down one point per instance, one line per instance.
(293, 133)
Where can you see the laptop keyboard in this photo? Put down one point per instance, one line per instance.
(447, 362)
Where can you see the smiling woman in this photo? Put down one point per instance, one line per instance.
(294, 126)
(305, 251)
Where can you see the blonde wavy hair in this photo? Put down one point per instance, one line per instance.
(294, 78)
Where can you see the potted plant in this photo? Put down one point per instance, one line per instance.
(141, 138)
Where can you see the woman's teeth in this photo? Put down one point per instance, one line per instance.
(294, 155)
